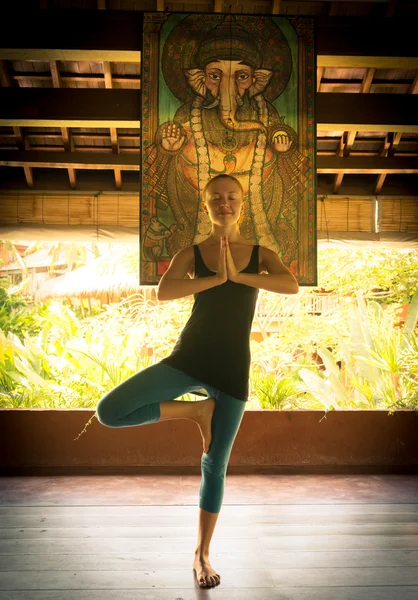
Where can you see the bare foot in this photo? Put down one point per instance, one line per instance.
(204, 420)
(205, 575)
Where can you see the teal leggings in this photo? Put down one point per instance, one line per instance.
(136, 401)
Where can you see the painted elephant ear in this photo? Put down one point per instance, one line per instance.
(261, 81)
(196, 79)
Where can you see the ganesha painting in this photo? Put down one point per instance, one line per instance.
(227, 94)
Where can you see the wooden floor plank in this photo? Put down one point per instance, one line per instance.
(238, 560)
(80, 518)
(235, 510)
(319, 593)
(86, 541)
(183, 578)
(184, 490)
(222, 531)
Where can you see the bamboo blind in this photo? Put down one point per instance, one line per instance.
(49, 209)
(345, 214)
(333, 214)
(400, 214)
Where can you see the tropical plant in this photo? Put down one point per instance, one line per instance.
(377, 357)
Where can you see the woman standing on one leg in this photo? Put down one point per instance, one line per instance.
(212, 351)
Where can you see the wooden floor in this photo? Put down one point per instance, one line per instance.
(281, 537)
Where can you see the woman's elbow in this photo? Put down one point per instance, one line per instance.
(160, 293)
(294, 286)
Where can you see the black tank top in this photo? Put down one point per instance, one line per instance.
(214, 345)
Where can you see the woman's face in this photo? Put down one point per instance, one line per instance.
(223, 199)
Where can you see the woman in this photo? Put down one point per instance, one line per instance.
(212, 351)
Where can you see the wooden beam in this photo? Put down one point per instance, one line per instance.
(380, 181)
(344, 149)
(114, 139)
(107, 74)
(275, 7)
(23, 144)
(113, 131)
(118, 179)
(414, 85)
(47, 54)
(350, 137)
(217, 6)
(363, 42)
(366, 112)
(74, 160)
(93, 77)
(114, 35)
(396, 139)
(29, 176)
(66, 134)
(367, 81)
(319, 75)
(337, 182)
(71, 107)
(125, 150)
(55, 74)
(366, 164)
(13, 182)
(110, 35)
(90, 136)
(130, 162)
(72, 178)
(353, 86)
(340, 147)
(5, 79)
(389, 146)
(63, 107)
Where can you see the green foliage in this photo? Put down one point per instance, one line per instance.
(15, 315)
(388, 274)
(74, 362)
(379, 359)
(353, 355)
(278, 391)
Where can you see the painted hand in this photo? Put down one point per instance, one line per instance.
(231, 269)
(281, 141)
(172, 137)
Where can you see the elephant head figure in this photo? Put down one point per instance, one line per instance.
(228, 66)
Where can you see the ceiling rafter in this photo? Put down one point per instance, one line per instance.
(414, 85)
(367, 81)
(344, 149)
(65, 131)
(368, 165)
(341, 41)
(113, 130)
(319, 75)
(36, 76)
(65, 160)
(337, 39)
(58, 107)
(20, 140)
(391, 142)
(128, 162)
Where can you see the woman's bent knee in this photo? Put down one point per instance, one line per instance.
(105, 411)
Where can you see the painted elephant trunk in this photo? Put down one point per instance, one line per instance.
(227, 109)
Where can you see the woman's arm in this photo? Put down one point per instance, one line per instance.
(278, 279)
(173, 283)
